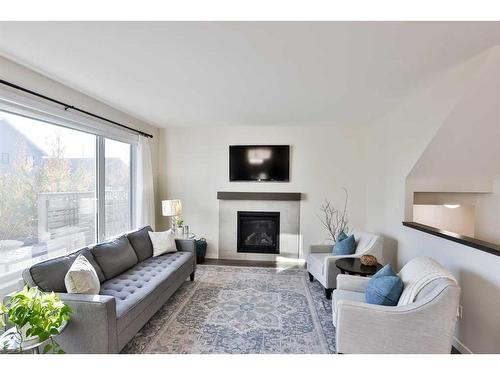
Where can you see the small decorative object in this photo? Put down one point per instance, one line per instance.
(185, 230)
(368, 260)
(334, 220)
(201, 250)
(37, 317)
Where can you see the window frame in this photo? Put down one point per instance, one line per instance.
(21, 104)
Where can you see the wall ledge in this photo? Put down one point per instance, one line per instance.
(455, 237)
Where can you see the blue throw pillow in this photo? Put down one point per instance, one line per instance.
(385, 271)
(342, 236)
(384, 290)
(345, 247)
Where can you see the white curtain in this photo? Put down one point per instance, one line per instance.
(145, 195)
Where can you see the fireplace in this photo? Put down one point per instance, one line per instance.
(258, 232)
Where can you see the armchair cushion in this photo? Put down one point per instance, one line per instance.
(346, 246)
(342, 236)
(384, 290)
(384, 271)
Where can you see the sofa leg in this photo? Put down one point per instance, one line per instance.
(328, 293)
(191, 277)
(311, 277)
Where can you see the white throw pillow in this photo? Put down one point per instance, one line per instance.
(81, 278)
(163, 242)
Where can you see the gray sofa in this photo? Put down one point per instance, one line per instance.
(134, 285)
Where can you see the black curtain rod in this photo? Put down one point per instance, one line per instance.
(68, 106)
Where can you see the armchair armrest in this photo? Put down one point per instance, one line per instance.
(92, 325)
(331, 270)
(352, 283)
(320, 248)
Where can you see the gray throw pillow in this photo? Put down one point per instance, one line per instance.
(141, 243)
(115, 257)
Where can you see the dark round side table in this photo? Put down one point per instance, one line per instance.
(353, 266)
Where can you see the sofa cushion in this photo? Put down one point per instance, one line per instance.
(135, 289)
(141, 243)
(115, 256)
(49, 275)
(339, 294)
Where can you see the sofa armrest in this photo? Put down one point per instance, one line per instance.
(92, 325)
(185, 245)
(352, 283)
(189, 246)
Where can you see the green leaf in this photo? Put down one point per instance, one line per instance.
(44, 312)
(47, 348)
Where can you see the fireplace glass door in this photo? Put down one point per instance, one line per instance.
(258, 232)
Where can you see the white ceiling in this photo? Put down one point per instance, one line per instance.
(246, 73)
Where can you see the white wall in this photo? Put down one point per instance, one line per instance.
(194, 165)
(373, 164)
(22, 76)
(458, 220)
(485, 208)
(394, 143)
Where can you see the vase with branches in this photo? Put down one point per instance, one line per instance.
(334, 220)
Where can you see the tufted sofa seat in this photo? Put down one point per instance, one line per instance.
(134, 285)
(138, 288)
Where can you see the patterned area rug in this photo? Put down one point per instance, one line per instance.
(241, 310)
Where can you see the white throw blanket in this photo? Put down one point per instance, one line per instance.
(418, 273)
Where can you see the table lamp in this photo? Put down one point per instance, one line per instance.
(172, 208)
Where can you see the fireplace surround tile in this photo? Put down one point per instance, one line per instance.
(289, 228)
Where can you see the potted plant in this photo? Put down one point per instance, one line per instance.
(179, 223)
(37, 318)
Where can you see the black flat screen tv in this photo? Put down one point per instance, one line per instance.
(259, 163)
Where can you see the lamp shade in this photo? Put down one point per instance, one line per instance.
(172, 207)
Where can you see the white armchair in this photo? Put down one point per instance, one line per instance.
(321, 262)
(423, 321)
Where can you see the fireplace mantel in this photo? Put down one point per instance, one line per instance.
(256, 196)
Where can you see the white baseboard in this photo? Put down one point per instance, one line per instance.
(461, 347)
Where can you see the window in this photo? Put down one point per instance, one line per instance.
(56, 193)
(117, 187)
